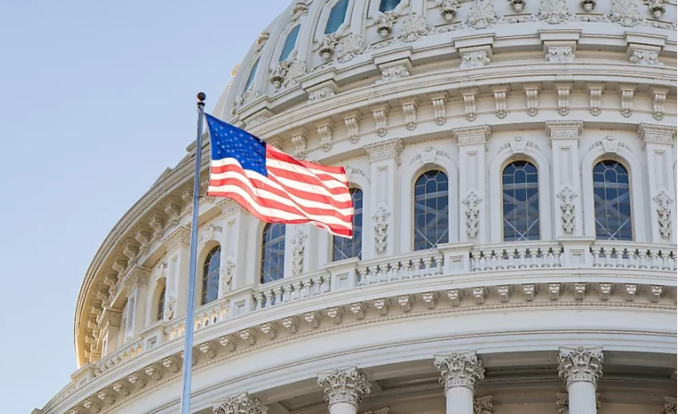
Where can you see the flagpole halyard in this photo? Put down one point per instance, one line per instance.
(190, 303)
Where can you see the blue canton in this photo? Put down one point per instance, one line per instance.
(228, 141)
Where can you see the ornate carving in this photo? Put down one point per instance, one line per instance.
(394, 73)
(580, 364)
(327, 46)
(604, 291)
(325, 133)
(472, 134)
(655, 293)
(476, 59)
(226, 274)
(661, 134)
(335, 313)
(320, 94)
(472, 203)
(658, 100)
(299, 10)
(564, 129)
(246, 97)
(501, 106)
(352, 123)
(299, 141)
(137, 380)
(470, 96)
(656, 8)
(349, 47)
(529, 291)
(588, 5)
(380, 115)
(440, 108)
(106, 397)
(410, 112)
(563, 92)
(483, 405)
(595, 94)
(91, 406)
(532, 99)
(414, 27)
(448, 9)
(560, 54)
(669, 406)
(344, 386)
(380, 228)
(262, 39)
(240, 404)
(383, 150)
(625, 12)
(517, 5)
(554, 11)
(358, 310)
(385, 23)
(460, 370)
(567, 196)
(173, 210)
(287, 73)
(299, 244)
(663, 202)
(482, 14)
(626, 94)
(643, 57)
(168, 314)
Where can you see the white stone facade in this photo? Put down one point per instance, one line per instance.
(566, 322)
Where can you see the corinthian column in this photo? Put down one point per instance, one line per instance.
(242, 403)
(460, 372)
(344, 390)
(580, 368)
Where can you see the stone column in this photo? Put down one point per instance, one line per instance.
(344, 390)
(472, 177)
(242, 403)
(580, 368)
(460, 372)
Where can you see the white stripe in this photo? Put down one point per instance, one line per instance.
(309, 171)
(291, 200)
(273, 212)
(297, 185)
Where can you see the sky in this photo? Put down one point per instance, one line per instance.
(96, 99)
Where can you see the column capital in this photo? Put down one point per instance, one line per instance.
(462, 369)
(660, 134)
(472, 134)
(669, 405)
(242, 403)
(180, 237)
(580, 364)
(344, 386)
(564, 129)
(390, 148)
(137, 276)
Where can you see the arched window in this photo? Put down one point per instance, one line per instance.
(253, 74)
(160, 310)
(520, 188)
(290, 42)
(431, 210)
(343, 248)
(210, 276)
(337, 16)
(388, 5)
(273, 252)
(612, 201)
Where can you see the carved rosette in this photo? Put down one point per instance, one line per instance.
(240, 404)
(554, 11)
(566, 197)
(625, 12)
(349, 47)
(344, 386)
(380, 228)
(287, 73)
(663, 202)
(472, 203)
(482, 14)
(460, 370)
(580, 364)
(414, 27)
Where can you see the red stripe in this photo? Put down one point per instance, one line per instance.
(304, 179)
(273, 153)
(294, 191)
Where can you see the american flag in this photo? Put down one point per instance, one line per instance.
(273, 186)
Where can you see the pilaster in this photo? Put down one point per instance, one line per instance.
(233, 246)
(472, 182)
(177, 244)
(344, 389)
(567, 203)
(659, 152)
(384, 159)
(136, 286)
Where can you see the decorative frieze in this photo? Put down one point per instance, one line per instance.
(344, 386)
(564, 129)
(532, 98)
(580, 364)
(470, 97)
(384, 150)
(240, 404)
(474, 59)
(180, 237)
(380, 218)
(560, 54)
(472, 203)
(660, 134)
(462, 369)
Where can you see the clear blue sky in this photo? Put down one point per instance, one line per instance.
(96, 99)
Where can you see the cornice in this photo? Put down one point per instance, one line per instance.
(660, 134)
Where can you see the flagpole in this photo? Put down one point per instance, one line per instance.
(190, 303)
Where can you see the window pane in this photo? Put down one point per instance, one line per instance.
(210, 278)
(431, 210)
(273, 253)
(253, 74)
(337, 16)
(290, 42)
(612, 201)
(520, 193)
(388, 5)
(343, 248)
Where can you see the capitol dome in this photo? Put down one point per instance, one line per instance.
(512, 165)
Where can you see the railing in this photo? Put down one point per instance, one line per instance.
(633, 256)
(291, 289)
(519, 256)
(419, 264)
(210, 314)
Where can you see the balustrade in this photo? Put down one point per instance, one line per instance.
(124, 353)
(419, 264)
(518, 256)
(291, 289)
(633, 256)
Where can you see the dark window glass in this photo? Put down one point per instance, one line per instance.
(290, 42)
(520, 192)
(210, 276)
(612, 201)
(337, 16)
(431, 210)
(388, 5)
(273, 253)
(343, 248)
(161, 305)
(253, 74)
